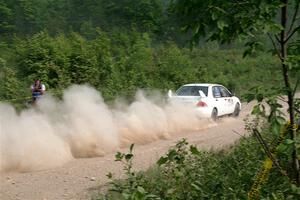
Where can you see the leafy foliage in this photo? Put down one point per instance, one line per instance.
(119, 64)
(188, 173)
(6, 19)
(9, 83)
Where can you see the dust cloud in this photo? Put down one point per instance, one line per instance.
(82, 125)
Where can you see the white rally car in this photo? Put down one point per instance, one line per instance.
(212, 100)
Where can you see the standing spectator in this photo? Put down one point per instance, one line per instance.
(37, 90)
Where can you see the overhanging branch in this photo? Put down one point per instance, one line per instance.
(294, 16)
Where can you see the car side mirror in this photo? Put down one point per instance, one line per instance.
(170, 93)
(202, 95)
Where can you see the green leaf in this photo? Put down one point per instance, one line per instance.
(170, 191)
(259, 97)
(172, 153)
(249, 97)
(119, 156)
(256, 110)
(275, 28)
(194, 150)
(141, 190)
(126, 195)
(162, 160)
(109, 175)
(196, 28)
(295, 189)
(196, 187)
(221, 24)
(128, 156)
(178, 173)
(282, 149)
(276, 127)
(214, 15)
(289, 141)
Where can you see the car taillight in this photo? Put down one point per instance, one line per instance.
(201, 104)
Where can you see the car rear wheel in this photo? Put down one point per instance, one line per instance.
(214, 114)
(236, 111)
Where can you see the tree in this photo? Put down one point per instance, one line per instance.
(145, 15)
(26, 17)
(83, 62)
(6, 18)
(45, 58)
(227, 20)
(175, 67)
(9, 84)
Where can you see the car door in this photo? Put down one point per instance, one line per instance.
(228, 101)
(219, 101)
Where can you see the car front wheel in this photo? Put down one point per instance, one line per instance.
(236, 111)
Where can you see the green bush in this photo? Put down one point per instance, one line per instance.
(119, 63)
(187, 173)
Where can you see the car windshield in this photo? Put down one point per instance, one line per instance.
(191, 90)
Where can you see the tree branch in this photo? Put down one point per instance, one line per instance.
(296, 86)
(292, 33)
(243, 136)
(268, 151)
(294, 16)
(281, 98)
(274, 45)
(277, 38)
(263, 143)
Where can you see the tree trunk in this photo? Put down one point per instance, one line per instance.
(283, 51)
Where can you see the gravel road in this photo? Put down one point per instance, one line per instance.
(80, 178)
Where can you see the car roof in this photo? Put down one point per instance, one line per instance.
(202, 84)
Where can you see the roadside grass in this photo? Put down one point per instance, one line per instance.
(188, 173)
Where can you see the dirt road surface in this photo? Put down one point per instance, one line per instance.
(80, 178)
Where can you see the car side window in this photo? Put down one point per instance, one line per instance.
(216, 92)
(224, 92)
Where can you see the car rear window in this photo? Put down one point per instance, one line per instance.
(191, 90)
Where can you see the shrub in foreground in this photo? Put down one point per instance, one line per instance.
(187, 173)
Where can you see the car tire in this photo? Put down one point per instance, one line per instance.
(237, 110)
(214, 114)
